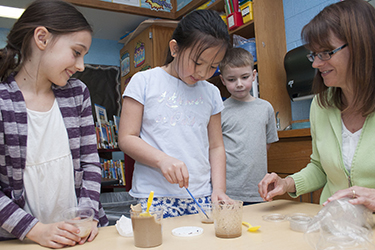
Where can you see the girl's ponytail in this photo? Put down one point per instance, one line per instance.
(9, 61)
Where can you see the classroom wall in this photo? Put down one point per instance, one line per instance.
(102, 51)
(297, 13)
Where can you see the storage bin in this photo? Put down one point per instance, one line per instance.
(247, 11)
(234, 20)
(116, 204)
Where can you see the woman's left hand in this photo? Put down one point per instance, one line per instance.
(92, 235)
(358, 195)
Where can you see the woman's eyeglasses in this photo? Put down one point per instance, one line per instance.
(325, 55)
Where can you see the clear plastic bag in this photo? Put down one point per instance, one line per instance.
(341, 225)
(247, 44)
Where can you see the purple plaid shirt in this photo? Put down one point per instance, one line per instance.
(75, 106)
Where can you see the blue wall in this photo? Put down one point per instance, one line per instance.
(298, 13)
(103, 52)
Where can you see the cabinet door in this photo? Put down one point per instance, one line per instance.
(142, 51)
(140, 54)
(271, 49)
(160, 40)
(127, 58)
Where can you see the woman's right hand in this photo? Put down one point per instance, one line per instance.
(175, 171)
(56, 235)
(272, 185)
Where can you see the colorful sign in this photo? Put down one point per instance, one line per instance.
(139, 54)
(163, 5)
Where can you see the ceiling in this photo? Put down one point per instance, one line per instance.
(106, 24)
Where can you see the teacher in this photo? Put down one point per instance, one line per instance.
(341, 38)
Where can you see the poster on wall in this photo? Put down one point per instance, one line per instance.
(158, 5)
(125, 64)
(139, 54)
(136, 3)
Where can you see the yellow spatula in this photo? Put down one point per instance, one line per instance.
(149, 202)
(250, 228)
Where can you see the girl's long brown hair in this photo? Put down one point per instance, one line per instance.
(57, 16)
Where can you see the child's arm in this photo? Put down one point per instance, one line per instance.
(174, 170)
(217, 159)
(268, 146)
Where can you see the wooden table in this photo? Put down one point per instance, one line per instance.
(271, 235)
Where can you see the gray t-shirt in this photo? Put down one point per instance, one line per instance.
(247, 129)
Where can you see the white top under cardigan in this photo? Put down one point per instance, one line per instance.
(349, 144)
(48, 176)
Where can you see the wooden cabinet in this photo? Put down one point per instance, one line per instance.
(270, 39)
(147, 48)
(269, 31)
(289, 155)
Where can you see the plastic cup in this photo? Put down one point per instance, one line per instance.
(147, 230)
(208, 210)
(228, 218)
(80, 217)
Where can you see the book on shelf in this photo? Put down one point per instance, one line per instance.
(116, 121)
(106, 131)
(101, 114)
(113, 170)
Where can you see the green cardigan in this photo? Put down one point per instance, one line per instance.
(326, 168)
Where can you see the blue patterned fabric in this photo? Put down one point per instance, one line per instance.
(173, 207)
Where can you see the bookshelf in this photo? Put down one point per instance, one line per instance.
(268, 29)
(111, 184)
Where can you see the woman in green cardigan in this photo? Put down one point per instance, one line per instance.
(341, 38)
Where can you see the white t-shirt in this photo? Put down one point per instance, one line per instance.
(175, 120)
(49, 171)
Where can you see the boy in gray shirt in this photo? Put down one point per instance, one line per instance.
(248, 126)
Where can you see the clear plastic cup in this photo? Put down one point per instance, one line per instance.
(81, 217)
(228, 218)
(208, 210)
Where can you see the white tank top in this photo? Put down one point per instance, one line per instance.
(49, 175)
(349, 145)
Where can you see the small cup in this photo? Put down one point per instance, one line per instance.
(299, 222)
(147, 230)
(228, 218)
(208, 210)
(81, 217)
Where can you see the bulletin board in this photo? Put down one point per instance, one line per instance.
(104, 85)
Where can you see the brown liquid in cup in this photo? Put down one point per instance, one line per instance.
(147, 231)
(228, 219)
(228, 235)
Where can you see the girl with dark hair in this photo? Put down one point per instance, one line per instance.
(341, 38)
(170, 121)
(48, 155)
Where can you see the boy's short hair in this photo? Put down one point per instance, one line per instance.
(236, 58)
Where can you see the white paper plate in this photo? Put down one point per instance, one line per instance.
(187, 231)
